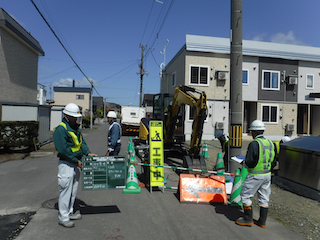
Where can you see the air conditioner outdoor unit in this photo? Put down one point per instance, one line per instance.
(290, 127)
(222, 75)
(293, 81)
(219, 125)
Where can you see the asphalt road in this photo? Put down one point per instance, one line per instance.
(30, 185)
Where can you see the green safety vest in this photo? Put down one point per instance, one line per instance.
(77, 144)
(266, 156)
(224, 145)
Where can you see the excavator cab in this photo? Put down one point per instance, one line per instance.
(162, 106)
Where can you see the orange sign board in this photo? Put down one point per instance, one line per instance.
(197, 188)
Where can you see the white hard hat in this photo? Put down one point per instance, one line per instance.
(72, 109)
(285, 139)
(257, 125)
(112, 114)
(218, 133)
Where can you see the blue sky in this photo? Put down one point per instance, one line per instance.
(103, 36)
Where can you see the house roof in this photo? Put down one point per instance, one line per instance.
(11, 25)
(253, 48)
(72, 89)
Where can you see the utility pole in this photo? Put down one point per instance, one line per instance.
(50, 91)
(141, 74)
(235, 83)
(104, 109)
(91, 105)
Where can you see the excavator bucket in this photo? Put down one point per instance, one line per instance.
(194, 162)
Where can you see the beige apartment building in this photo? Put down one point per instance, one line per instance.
(277, 81)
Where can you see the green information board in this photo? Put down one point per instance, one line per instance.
(104, 172)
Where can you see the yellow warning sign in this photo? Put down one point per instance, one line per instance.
(156, 153)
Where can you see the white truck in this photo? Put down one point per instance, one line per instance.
(130, 119)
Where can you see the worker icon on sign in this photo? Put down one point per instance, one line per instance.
(157, 137)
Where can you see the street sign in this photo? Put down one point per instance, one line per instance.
(156, 153)
(103, 172)
(201, 188)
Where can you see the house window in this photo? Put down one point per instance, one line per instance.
(173, 79)
(191, 114)
(309, 81)
(199, 75)
(245, 77)
(79, 97)
(270, 80)
(270, 113)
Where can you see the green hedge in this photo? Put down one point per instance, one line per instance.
(18, 133)
(86, 121)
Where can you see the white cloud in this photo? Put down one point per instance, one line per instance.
(286, 38)
(67, 82)
(259, 37)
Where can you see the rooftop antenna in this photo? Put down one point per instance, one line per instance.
(162, 65)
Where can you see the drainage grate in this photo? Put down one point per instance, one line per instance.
(51, 204)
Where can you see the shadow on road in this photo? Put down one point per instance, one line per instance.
(82, 207)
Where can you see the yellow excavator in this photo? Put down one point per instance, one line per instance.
(170, 109)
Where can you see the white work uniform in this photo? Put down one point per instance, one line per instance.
(256, 184)
(68, 180)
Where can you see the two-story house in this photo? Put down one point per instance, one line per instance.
(78, 95)
(19, 53)
(277, 81)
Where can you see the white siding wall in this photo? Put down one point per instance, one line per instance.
(303, 93)
(19, 113)
(250, 90)
(56, 117)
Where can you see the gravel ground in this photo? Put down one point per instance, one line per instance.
(300, 214)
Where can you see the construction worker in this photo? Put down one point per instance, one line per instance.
(278, 143)
(224, 141)
(71, 146)
(114, 134)
(259, 157)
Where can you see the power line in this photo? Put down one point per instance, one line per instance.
(55, 26)
(162, 9)
(118, 72)
(56, 73)
(92, 87)
(160, 27)
(147, 23)
(155, 59)
(61, 43)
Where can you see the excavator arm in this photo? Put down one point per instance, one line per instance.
(170, 115)
(184, 95)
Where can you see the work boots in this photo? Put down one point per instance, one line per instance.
(247, 220)
(263, 217)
